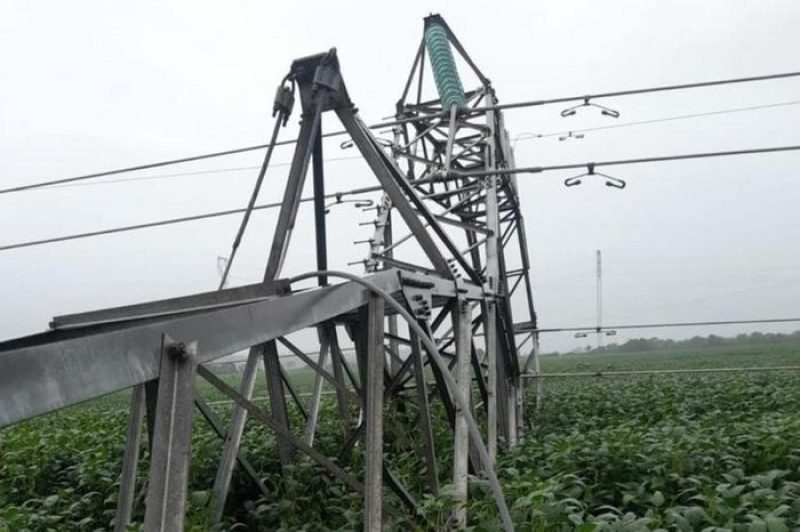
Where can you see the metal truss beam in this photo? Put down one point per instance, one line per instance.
(46, 372)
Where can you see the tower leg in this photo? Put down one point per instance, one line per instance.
(169, 464)
(373, 470)
(130, 460)
(463, 330)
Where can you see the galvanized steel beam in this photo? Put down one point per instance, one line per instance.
(169, 463)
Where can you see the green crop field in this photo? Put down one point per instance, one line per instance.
(645, 452)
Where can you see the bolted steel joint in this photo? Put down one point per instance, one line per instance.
(182, 351)
(177, 350)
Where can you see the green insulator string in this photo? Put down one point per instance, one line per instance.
(445, 73)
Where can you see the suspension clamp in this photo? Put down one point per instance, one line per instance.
(284, 101)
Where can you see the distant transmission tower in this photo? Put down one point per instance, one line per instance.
(599, 299)
(599, 332)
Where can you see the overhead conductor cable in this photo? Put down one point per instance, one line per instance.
(517, 105)
(366, 190)
(282, 109)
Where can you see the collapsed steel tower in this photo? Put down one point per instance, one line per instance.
(446, 269)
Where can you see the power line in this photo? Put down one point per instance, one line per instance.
(352, 158)
(522, 329)
(365, 190)
(183, 174)
(517, 105)
(136, 168)
(659, 120)
(604, 373)
(172, 221)
(618, 162)
(135, 227)
(631, 92)
(283, 116)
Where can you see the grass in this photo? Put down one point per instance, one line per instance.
(662, 452)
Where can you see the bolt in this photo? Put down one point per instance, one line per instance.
(176, 350)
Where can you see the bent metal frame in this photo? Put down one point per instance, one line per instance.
(468, 229)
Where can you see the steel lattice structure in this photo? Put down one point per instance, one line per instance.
(439, 277)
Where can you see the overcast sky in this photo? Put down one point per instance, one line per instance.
(90, 86)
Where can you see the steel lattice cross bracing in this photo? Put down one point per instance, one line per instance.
(446, 266)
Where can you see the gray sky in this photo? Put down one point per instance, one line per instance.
(89, 86)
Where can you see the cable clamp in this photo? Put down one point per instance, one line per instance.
(284, 99)
(590, 171)
(606, 111)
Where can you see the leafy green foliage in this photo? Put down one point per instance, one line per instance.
(672, 452)
(666, 452)
(742, 341)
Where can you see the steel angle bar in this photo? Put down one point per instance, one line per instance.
(177, 305)
(293, 393)
(452, 192)
(277, 400)
(398, 377)
(318, 369)
(403, 196)
(417, 62)
(45, 372)
(340, 368)
(262, 416)
(130, 460)
(462, 225)
(383, 171)
(451, 134)
(316, 394)
(476, 441)
(421, 135)
(169, 463)
(216, 425)
(418, 159)
(373, 382)
(396, 361)
(294, 188)
(426, 427)
(232, 438)
(461, 202)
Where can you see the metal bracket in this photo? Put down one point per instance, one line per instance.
(418, 297)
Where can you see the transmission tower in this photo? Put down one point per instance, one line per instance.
(447, 264)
